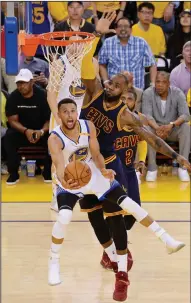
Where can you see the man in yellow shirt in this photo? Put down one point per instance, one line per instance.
(164, 14)
(152, 33)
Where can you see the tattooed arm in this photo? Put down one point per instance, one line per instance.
(132, 119)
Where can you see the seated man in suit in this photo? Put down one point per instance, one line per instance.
(167, 113)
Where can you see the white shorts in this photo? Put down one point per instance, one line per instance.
(98, 184)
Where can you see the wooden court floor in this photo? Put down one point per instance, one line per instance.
(155, 277)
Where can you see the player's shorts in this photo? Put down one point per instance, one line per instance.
(132, 192)
(116, 165)
(91, 203)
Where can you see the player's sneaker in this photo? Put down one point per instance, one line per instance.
(129, 260)
(151, 176)
(105, 261)
(121, 286)
(173, 246)
(54, 204)
(54, 271)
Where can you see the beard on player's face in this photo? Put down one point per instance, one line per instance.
(110, 98)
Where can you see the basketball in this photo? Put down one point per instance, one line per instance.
(78, 171)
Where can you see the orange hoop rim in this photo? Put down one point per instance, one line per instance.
(47, 39)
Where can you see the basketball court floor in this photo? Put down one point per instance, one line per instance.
(26, 235)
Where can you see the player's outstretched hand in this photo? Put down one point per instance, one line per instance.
(70, 184)
(184, 163)
(108, 173)
(140, 166)
(104, 23)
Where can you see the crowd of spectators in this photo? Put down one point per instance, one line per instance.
(147, 34)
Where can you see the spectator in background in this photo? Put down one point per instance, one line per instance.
(59, 11)
(42, 22)
(75, 22)
(164, 14)
(126, 52)
(181, 35)
(187, 5)
(181, 75)
(138, 91)
(28, 116)
(188, 99)
(3, 132)
(152, 33)
(167, 112)
(39, 68)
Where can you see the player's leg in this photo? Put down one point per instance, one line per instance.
(93, 207)
(117, 195)
(111, 210)
(122, 282)
(66, 203)
(133, 193)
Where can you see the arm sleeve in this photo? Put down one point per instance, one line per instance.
(142, 150)
(11, 106)
(148, 59)
(88, 70)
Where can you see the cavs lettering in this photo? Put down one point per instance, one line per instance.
(100, 120)
(106, 121)
(79, 154)
(126, 142)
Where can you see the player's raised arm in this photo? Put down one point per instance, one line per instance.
(88, 73)
(133, 120)
(55, 147)
(96, 155)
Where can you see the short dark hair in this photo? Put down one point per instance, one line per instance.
(80, 2)
(66, 101)
(124, 77)
(123, 18)
(148, 5)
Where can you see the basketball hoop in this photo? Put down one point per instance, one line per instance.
(64, 51)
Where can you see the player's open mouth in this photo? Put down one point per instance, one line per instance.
(70, 123)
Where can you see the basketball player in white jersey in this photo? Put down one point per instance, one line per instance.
(65, 141)
(64, 91)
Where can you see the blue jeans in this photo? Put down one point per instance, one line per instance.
(167, 27)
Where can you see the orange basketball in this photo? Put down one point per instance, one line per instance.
(78, 171)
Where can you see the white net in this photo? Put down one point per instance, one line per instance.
(65, 62)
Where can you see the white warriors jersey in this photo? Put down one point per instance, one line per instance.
(98, 185)
(67, 90)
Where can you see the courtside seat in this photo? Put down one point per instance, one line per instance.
(32, 152)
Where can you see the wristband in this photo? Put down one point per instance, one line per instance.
(25, 131)
(121, 10)
(42, 132)
(106, 81)
(174, 155)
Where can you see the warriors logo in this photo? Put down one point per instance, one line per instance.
(78, 91)
(79, 154)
